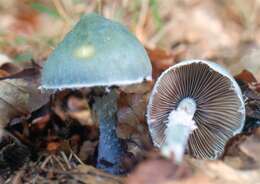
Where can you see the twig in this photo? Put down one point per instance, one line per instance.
(8, 180)
(34, 180)
(70, 157)
(45, 162)
(17, 178)
(100, 7)
(142, 15)
(59, 163)
(61, 10)
(77, 158)
(65, 159)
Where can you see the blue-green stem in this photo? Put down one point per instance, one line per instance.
(110, 149)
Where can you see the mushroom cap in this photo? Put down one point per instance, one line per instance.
(220, 109)
(97, 52)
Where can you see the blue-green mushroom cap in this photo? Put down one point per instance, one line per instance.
(97, 52)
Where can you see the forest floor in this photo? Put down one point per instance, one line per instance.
(53, 138)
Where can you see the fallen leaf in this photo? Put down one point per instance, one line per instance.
(246, 77)
(220, 173)
(131, 121)
(124, 131)
(251, 146)
(14, 155)
(41, 122)
(76, 104)
(10, 68)
(250, 90)
(3, 73)
(141, 88)
(19, 97)
(161, 60)
(95, 176)
(87, 150)
(53, 147)
(158, 171)
(235, 157)
(29, 74)
(78, 109)
(26, 21)
(4, 59)
(131, 108)
(83, 117)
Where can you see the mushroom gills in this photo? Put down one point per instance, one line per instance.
(195, 91)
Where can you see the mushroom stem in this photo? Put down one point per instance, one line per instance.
(110, 148)
(180, 125)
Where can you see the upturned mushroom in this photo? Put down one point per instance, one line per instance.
(195, 106)
(99, 53)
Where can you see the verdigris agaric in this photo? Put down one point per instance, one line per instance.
(196, 105)
(99, 53)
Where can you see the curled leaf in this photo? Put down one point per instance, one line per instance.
(19, 97)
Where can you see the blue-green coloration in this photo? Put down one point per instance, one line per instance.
(97, 52)
(110, 150)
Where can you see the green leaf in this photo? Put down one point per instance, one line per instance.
(155, 13)
(44, 9)
(20, 40)
(23, 57)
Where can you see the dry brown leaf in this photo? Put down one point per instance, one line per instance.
(70, 105)
(161, 60)
(26, 19)
(131, 108)
(41, 122)
(127, 118)
(18, 98)
(138, 88)
(246, 77)
(87, 150)
(158, 171)
(76, 104)
(3, 73)
(131, 118)
(191, 171)
(251, 146)
(84, 117)
(220, 173)
(53, 147)
(91, 175)
(236, 158)
(4, 59)
(10, 68)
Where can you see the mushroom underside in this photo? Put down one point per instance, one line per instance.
(219, 110)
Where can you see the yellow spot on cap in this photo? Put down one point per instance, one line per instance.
(84, 52)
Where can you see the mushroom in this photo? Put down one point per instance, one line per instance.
(99, 53)
(195, 104)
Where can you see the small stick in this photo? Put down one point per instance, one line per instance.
(45, 162)
(61, 10)
(70, 157)
(142, 15)
(59, 162)
(66, 159)
(100, 7)
(77, 158)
